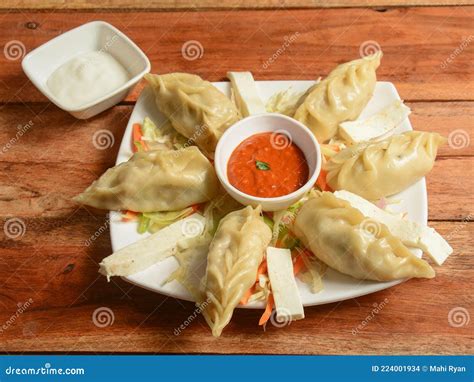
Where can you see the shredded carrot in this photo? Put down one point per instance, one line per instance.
(137, 137)
(299, 264)
(321, 181)
(130, 216)
(268, 311)
(262, 269)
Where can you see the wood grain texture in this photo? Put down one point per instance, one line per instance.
(418, 42)
(47, 166)
(451, 119)
(55, 262)
(214, 4)
(59, 273)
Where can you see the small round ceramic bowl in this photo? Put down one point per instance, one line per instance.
(295, 131)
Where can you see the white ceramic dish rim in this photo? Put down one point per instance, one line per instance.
(43, 89)
(222, 173)
(417, 195)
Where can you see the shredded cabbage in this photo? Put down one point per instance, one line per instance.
(262, 289)
(154, 221)
(162, 137)
(285, 102)
(313, 273)
(336, 141)
(283, 222)
(327, 151)
(191, 255)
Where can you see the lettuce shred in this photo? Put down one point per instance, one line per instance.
(154, 221)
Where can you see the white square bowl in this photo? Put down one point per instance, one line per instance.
(40, 63)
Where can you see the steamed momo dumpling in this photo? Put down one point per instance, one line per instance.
(375, 170)
(341, 237)
(340, 97)
(196, 108)
(235, 253)
(161, 180)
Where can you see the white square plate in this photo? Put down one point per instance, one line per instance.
(337, 287)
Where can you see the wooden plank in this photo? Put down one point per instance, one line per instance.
(46, 189)
(38, 132)
(214, 4)
(433, 64)
(44, 262)
(56, 157)
(449, 185)
(451, 119)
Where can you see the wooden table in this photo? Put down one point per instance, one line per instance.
(50, 285)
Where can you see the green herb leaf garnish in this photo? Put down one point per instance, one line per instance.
(262, 165)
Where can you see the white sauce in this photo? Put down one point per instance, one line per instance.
(86, 78)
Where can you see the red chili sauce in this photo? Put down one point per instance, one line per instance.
(267, 165)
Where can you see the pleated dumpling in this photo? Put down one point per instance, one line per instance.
(235, 253)
(160, 180)
(375, 170)
(340, 97)
(196, 108)
(341, 237)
